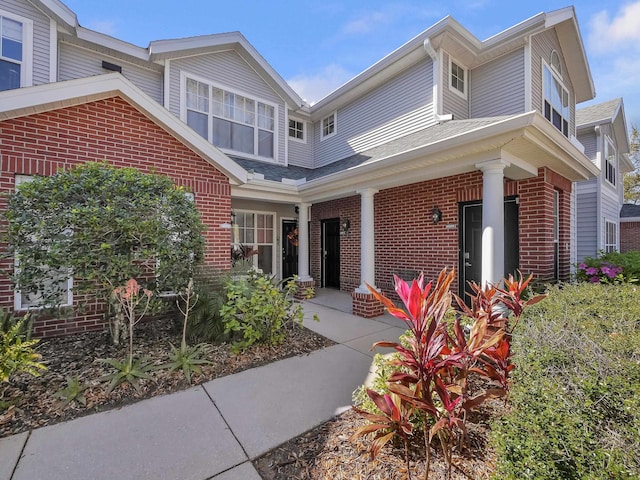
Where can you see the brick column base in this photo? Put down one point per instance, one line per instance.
(302, 286)
(366, 305)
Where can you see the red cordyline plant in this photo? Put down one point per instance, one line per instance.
(435, 365)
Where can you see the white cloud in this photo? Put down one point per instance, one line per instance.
(621, 30)
(314, 86)
(366, 23)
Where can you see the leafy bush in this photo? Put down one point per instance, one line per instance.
(17, 353)
(576, 393)
(611, 267)
(259, 309)
(205, 322)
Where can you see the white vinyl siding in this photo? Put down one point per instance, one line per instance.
(507, 73)
(40, 38)
(228, 71)
(79, 62)
(590, 142)
(401, 106)
(586, 219)
(542, 46)
(453, 103)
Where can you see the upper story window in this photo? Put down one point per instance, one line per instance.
(556, 100)
(229, 120)
(555, 62)
(610, 163)
(328, 126)
(15, 51)
(296, 130)
(457, 78)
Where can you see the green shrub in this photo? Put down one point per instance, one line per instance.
(205, 322)
(576, 392)
(17, 353)
(259, 309)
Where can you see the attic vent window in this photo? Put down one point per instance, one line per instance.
(111, 66)
(555, 62)
(457, 78)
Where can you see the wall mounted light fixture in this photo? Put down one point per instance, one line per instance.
(345, 225)
(436, 215)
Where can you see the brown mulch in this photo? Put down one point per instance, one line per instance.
(326, 452)
(34, 404)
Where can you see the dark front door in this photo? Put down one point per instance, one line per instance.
(289, 248)
(331, 253)
(471, 242)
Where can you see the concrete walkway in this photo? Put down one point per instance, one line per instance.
(212, 431)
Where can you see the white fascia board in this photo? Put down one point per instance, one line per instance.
(61, 11)
(113, 43)
(523, 28)
(629, 219)
(28, 101)
(266, 190)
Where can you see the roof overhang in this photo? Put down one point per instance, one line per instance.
(43, 98)
(527, 141)
(58, 11)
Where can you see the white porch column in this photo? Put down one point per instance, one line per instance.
(367, 244)
(303, 242)
(492, 221)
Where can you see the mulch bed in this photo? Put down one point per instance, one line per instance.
(33, 397)
(326, 452)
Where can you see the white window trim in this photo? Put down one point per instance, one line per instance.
(553, 72)
(608, 144)
(26, 67)
(183, 114)
(606, 243)
(17, 294)
(335, 126)
(274, 243)
(466, 78)
(304, 130)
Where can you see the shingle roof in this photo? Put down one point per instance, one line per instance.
(629, 210)
(409, 142)
(599, 112)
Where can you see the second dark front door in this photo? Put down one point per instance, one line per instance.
(289, 248)
(471, 242)
(331, 253)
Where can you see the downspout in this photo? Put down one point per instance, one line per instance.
(600, 159)
(435, 65)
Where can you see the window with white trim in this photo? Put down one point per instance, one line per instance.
(457, 78)
(556, 100)
(296, 130)
(230, 120)
(610, 162)
(15, 51)
(59, 283)
(254, 232)
(610, 236)
(328, 126)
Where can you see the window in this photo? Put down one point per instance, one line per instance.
(555, 62)
(610, 236)
(610, 162)
(58, 283)
(457, 78)
(328, 126)
(556, 101)
(15, 51)
(296, 130)
(229, 120)
(253, 231)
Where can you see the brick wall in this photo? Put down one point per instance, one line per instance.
(629, 236)
(407, 241)
(108, 130)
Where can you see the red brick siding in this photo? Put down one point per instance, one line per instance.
(629, 236)
(406, 240)
(108, 130)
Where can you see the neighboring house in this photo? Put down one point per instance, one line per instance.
(448, 152)
(602, 129)
(629, 228)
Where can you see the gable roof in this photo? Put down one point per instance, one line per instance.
(52, 96)
(630, 210)
(599, 113)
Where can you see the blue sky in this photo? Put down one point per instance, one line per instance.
(317, 46)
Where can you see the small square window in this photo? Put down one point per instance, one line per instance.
(457, 78)
(296, 129)
(328, 126)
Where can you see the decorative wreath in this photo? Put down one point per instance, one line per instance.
(293, 237)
